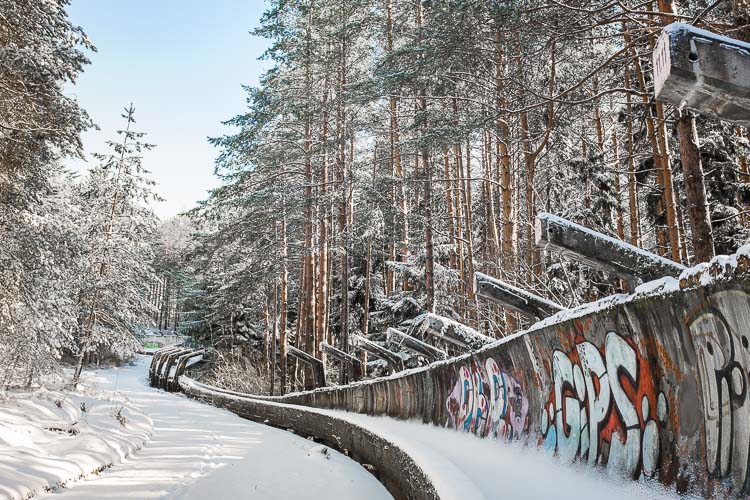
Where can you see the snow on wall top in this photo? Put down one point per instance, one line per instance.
(677, 28)
(721, 268)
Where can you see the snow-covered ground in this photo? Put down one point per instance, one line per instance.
(51, 438)
(197, 451)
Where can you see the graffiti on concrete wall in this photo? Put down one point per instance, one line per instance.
(488, 402)
(604, 407)
(723, 360)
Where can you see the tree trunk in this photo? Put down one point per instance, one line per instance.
(668, 183)
(744, 178)
(343, 215)
(307, 292)
(492, 242)
(695, 189)
(321, 303)
(429, 273)
(366, 304)
(398, 194)
(651, 131)
(283, 307)
(632, 185)
(267, 333)
(741, 12)
(449, 205)
(503, 164)
(469, 222)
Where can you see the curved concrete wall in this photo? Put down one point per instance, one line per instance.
(653, 385)
(396, 469)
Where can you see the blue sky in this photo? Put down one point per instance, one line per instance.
(182, 64)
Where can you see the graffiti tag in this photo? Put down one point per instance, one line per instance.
(604, 408)
(723, 358)
(488, 402)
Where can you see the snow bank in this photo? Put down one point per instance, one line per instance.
(200, 452)
(50, 438)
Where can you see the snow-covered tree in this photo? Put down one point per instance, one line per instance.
(118, 226)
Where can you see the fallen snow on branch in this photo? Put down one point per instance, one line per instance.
(51, 438)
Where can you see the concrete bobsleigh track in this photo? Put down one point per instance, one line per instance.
(653, 385)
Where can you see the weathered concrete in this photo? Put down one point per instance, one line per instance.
(450, 331)
(702, 71)
(353, 363)
(415, 345)
(530, 305)
(396, 469)
(395, 363)
(160, 371)
(601, 251)
(653, 385)
(317, 365)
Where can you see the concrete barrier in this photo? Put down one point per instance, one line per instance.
(163, 340)
(398, 471)
(652, 385)
(168, 364)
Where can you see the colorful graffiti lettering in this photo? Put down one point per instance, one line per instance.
(723, 358)
(604, 400)
(488, 402)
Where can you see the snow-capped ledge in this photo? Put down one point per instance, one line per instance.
(721, 268)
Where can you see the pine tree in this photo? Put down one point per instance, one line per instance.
(118, 225)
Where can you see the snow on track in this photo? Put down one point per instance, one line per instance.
(200, 452)
(464, 466)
